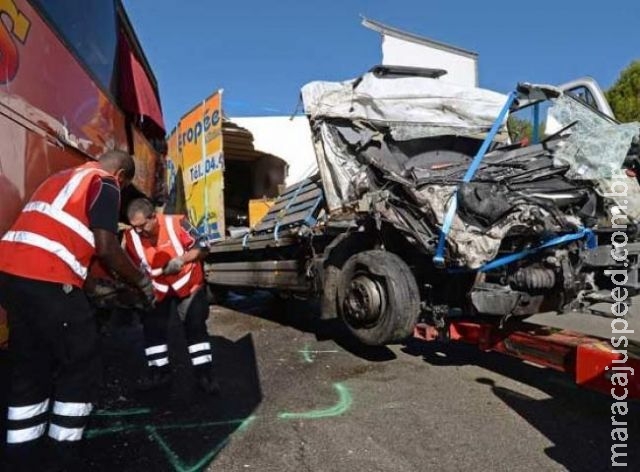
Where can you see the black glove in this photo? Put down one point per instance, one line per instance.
(146, 287)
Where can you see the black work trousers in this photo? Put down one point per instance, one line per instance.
(54, 366)
(193, 311)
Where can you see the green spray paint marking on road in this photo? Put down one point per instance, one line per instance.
(344, 403)
(119, 428)
(306, 353)
(131, 412)
(177, 462)
(172, 457)
(202, 425)
(245, 424)
(94, 433)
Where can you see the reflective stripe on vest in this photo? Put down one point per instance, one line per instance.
(174, 237)
(48, 245)
(70, 187)
(175, 242)
(66, 219)
(137, 244)
(181, 282)
(160, 287)
(55, 211)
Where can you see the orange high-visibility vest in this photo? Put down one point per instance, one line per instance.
(153, 258)
(51, 239)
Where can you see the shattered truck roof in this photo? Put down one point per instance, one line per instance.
(421, 106)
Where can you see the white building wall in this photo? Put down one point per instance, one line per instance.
(286, 138)
(461, 69)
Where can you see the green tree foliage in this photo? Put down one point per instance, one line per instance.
(624, 96)
(519, 129)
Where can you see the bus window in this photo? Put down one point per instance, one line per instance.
(89, 28)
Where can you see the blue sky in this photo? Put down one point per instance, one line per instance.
(262, 52)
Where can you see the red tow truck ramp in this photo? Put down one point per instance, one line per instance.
(578, 344)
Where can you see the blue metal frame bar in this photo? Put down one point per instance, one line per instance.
(438, 259)
(286, 208)
(592, 243)
(584, 232)
(308, 220)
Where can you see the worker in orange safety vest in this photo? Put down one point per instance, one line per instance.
(170, 249)
(71, 218)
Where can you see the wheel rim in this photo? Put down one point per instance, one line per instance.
(364, 301)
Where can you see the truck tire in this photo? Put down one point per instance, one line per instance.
(378, 298)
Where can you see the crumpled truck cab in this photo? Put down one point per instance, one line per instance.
(435, 201)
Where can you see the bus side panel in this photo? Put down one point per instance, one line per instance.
(26, 159)
(45, 95)
(52, 80)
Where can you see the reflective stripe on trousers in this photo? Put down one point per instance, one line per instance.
(200, 353)
(157, 356)
(68, 420)
(26, 423)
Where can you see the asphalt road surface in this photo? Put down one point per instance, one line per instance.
(299, 395)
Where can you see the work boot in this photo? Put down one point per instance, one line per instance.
(155, 378)
(207, 381)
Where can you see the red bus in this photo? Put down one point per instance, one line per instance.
(74, 82)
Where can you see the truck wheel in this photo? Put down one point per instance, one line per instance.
(378, 298)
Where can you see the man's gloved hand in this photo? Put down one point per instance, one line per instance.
(146, 287)
(173, 266)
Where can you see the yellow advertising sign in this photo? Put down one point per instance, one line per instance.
(202, 162)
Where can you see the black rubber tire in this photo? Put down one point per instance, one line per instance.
(401, 309)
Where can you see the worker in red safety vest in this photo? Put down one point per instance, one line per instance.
(71, 218)
(170, 249)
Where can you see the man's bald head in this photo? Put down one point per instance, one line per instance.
(120, 164)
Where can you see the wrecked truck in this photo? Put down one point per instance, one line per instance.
(426, 209)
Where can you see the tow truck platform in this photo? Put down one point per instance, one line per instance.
(576, 343)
